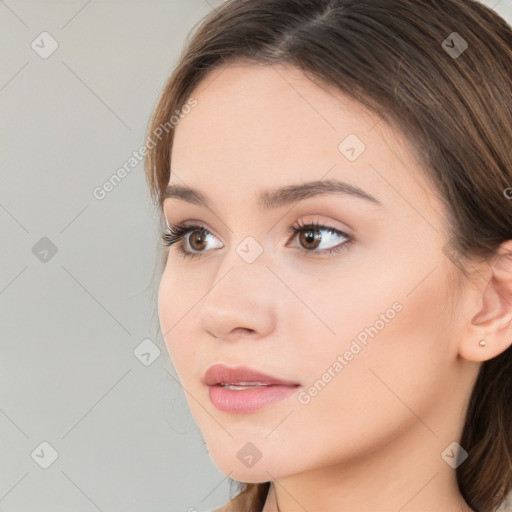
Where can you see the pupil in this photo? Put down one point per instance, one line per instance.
(311, 237)
(197, 239)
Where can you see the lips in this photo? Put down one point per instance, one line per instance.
(241, 377)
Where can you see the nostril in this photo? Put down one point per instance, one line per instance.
(250, 331)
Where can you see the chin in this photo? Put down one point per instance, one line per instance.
(248, 475)
(241, 470)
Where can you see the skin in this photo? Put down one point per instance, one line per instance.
(372, 439)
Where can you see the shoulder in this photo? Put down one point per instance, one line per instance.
(249, 500)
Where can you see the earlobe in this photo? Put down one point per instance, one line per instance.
(490, 332)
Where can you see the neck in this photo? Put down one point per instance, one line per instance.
(408, 473)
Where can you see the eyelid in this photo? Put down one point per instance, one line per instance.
(302, 222)
(190, 223)
(325, 222)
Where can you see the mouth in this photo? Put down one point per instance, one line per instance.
(244, 385)
(243, 389)
(241, 376)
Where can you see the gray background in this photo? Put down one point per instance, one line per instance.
(77, 277)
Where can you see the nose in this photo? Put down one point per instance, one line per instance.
(240, 304)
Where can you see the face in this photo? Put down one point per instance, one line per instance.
(353, 311)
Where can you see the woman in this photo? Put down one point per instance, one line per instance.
(334, 182)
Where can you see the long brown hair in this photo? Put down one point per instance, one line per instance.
(440, 71)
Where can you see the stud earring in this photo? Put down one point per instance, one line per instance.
(482, 343)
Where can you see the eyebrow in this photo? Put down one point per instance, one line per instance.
(279, 197)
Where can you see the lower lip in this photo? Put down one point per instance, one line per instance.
(248, 400)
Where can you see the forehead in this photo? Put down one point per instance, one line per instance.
(260, 125)
(267, 106)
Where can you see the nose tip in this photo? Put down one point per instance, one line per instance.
(238, 307)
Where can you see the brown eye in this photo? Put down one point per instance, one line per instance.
(310, 238)
(197, 240)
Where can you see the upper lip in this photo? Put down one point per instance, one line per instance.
(221, 374)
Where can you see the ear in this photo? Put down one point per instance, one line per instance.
(492, 322)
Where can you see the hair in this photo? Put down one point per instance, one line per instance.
(396, 58)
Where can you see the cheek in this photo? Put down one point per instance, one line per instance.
(383, 368)
(175, 309)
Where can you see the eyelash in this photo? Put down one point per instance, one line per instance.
(176, 232)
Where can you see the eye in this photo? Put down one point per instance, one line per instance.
(312, 239)
(176, 232)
